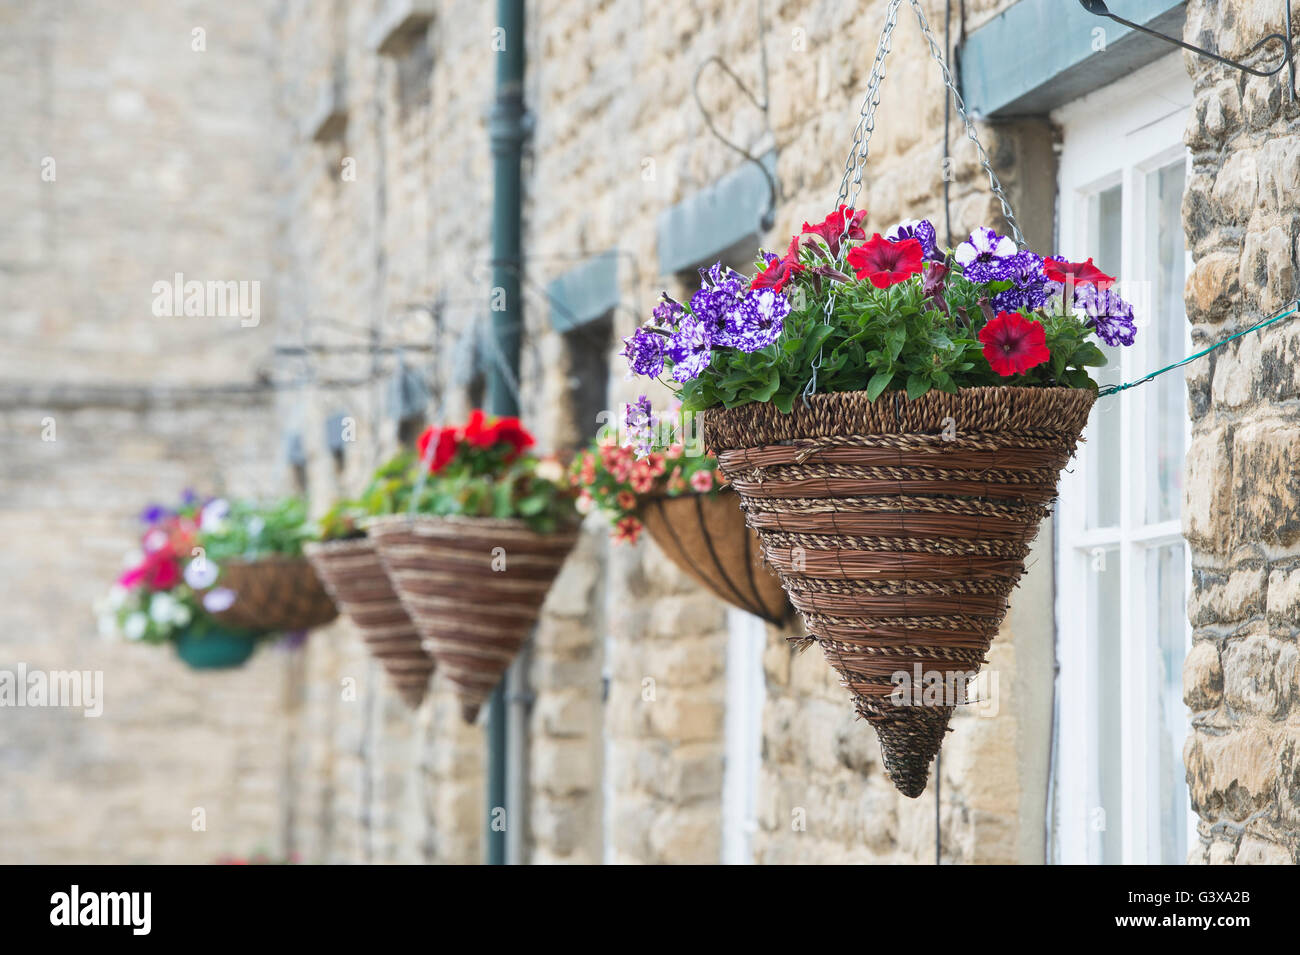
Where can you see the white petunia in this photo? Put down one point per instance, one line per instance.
(212, 519)
(135, 626)
(161, 608)
(215, 601)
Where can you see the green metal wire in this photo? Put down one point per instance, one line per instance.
(1264, 323)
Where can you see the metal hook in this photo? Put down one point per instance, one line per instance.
(1288, 55)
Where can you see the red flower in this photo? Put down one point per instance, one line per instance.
(160, 570)
(445, 447)
(885, 263)
(832, 228)
(1013, 344)
(780, 271)
(509, 431)
(1077, 273)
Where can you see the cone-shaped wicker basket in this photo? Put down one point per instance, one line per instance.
(275, 594)
(899, 528)
(705, 535)
(473, 586)
(356, 579)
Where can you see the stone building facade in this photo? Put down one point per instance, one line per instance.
(338, 152)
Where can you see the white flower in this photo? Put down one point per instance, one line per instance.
(584, 503)
(154, 540)
(215, 601)
(255, 526)
(116, 596)
(181, 614)
(201, 573)
(212, 519)
(549, 469)
(135, 626)
(162, 606)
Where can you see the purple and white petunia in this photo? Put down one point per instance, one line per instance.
(1029, 288)
(668, 313)
(983, 257)
(1110, 315)
(639, 420)
(644, 351)
(922, 230)
(690, 348)
(755, 321)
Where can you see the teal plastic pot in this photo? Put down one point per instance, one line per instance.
(210, 646)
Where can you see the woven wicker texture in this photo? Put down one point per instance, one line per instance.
(275, 594)
(356, 579)
(473, 586)
(899, 529)
(707, 538)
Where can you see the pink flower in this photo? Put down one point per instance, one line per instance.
(702, 481)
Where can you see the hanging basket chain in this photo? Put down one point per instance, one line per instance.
(851, 183)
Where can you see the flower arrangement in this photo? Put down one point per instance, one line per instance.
(840, 311)
(483, 468)
(617, 479)
(157, 598)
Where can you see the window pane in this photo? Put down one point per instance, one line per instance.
(1104, 622)
(1105, 228)
(1167, 623)
(1165, 264)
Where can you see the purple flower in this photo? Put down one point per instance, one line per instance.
(639, 420)
(922, 230)
(1110, 315)
(983, 257)
(1029, 283)
(755, 321)
(154, 513)
(690, 348)
(644, 351)
(668, 312)
(718, 275)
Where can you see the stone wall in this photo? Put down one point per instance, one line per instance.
(1243, 493)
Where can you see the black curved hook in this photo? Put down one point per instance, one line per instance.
(1288, 55)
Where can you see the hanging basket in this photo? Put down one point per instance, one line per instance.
(207, 645)
(275, 594)
(473, 586)
(354, 576)
(706, 536)
(899, 529)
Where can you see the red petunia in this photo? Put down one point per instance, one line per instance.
(509, 431)
(843, 223)
(446, 444)
(1077, 273)
(885, 263)
(780, 271)
(1013, 344)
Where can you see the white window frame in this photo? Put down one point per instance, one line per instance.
(743, 745)
(1142, 116)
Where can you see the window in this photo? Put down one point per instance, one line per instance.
(1122, 567)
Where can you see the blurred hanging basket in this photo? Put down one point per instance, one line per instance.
(274, 594)
(705, 535)
(355, 578)
(208, 645)
(898, 529)
(474, 587)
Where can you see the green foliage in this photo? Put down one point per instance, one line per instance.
(388, 492)
(890, 339)
(251, 530)
(526, 488)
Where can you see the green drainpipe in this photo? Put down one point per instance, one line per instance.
(508, 128)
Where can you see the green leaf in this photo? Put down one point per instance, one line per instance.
(917, 385)
(878, 383)
(765, 392)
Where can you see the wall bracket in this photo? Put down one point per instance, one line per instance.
(1288, 52)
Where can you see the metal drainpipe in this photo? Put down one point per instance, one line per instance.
(507, 124)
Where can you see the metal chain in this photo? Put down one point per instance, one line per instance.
(857, 158)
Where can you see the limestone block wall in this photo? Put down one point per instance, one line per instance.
(1243, 493)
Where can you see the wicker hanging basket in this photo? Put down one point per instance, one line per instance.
(705, 535)
(899, 529)
(473, 586)
(354, 576)
(274, 594)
